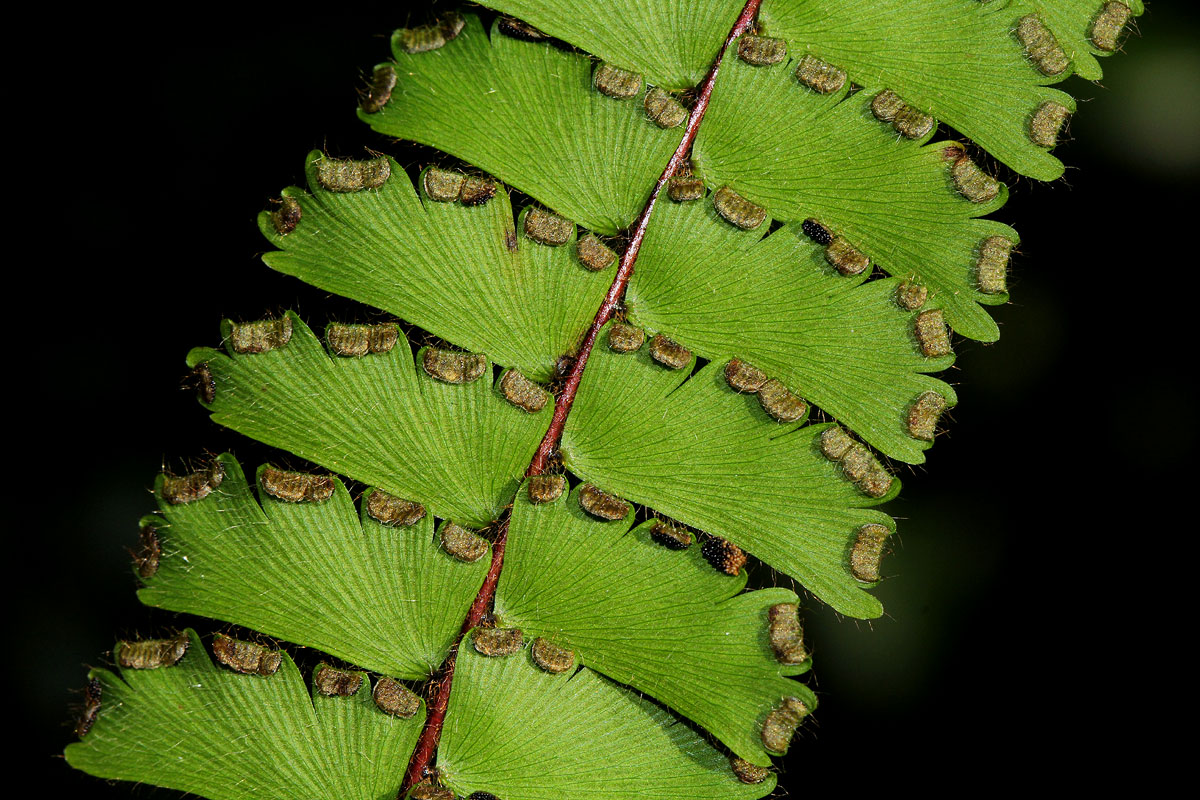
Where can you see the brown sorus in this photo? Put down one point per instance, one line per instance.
(193, 486)
(669, 536)
(624, 338)
(601, 504)
(461, 543)
(247, 658)
(737, 210)
(744, 377)
(723, 555)
(669, 353)
(761, 51)
(260, 336)
(923, 415)
(911, 295)
(866, 554)
(393, 511)
(347, 175)
(333, 682)
(551, 657)
(1108, 26)
(394, 698)
(546, 488)
(782, 404)
(664, 109)
(820, 76)
(152, 653)
(379, 90)
(845, 257)
(452, 366)
(442, 185)
(1047, 122)
(202, 379)
(786, 635)
(522, 392)
(547, 228)
(1041, 46)
(92, 695)
(972, 182)
(594, 254)
(615, 82)
(932, 334)
(991, 270)
(476, 191)
(360, 340)
(296, 487)
(497, 642)
(780, 725)
(518, 29)
(287, 216)
(747, 772)
(149, 551)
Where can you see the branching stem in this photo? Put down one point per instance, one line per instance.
(418, 767)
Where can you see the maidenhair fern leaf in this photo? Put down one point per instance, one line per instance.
(656, 618)
(725, 360)
(670, 44)
(458, 449)
(459, 270)
(891, 198)
(527, 113)
(201, 728)
(776, 302)
(384, 597)
(713, 458)
(592, 739)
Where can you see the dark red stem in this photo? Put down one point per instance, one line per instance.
(418, 767)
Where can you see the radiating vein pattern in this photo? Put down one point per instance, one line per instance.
(662, 621)
(200, 728)
(458, 450)
(712, 458)
(313, 573)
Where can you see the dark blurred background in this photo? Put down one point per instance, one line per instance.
(1032, 600)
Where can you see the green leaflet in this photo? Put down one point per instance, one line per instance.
(592, 739)
(1071, 21)
(810, 155)
(201, 728)
(663, 622)
(388, 599)
(444, 266)
(955, 59)
(672, 44)
(713, 459)
(458, 450)
(775, 302)
(527, 113)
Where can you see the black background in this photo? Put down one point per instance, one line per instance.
(1034, 598)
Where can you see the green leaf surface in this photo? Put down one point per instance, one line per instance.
(592, 740)
(828, 158)
(775, 302)
(1071, 21)
(955, 59)
(663, 622)
(672, 44)
(527, 113)
(200, 728)
(388, 599)
(711, 458)
(444, 266)
(459, 450)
